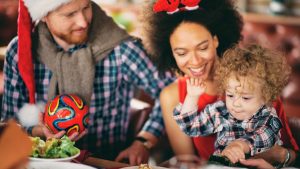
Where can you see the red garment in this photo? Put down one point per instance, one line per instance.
(205, 144)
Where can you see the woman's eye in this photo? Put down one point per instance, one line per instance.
(180, 54)
(202, 48)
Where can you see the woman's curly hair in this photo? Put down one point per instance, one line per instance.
(269, 67)
(220, 17)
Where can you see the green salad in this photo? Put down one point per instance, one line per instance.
(53, 148)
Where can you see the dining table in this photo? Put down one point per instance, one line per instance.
(102, 163)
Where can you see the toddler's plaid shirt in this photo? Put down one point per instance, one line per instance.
(261, 131)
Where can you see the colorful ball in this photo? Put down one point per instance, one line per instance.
(66, 112)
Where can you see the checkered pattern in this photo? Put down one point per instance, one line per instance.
(116, 78)
(261, 131)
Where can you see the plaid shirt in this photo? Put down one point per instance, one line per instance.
(116, 78)
(261, 131)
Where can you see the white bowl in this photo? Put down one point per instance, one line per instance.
(57, 165)
(54, 159)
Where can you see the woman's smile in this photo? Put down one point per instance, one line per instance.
(198, 71)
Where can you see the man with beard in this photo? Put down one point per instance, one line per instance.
(75, 48)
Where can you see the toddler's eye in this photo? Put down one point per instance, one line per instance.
(229, 95)
(246, 98)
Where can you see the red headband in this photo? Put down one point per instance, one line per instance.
(172, 6)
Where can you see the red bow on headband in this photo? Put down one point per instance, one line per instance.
(172, 6)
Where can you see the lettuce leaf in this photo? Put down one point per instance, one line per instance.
(53, 148)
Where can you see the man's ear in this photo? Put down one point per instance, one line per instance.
(216, 41)
(44, 19)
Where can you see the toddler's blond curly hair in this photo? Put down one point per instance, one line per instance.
(269, 67)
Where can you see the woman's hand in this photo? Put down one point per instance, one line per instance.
(276, 155)
(256, 163)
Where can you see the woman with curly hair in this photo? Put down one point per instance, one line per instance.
(188, 43)
(246, 122)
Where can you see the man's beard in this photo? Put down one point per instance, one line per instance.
(72, 39)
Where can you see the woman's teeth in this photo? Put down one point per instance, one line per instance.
(197, 71)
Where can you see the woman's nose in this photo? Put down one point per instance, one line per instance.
(196, 58)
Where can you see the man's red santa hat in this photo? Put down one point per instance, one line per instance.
(31, 11)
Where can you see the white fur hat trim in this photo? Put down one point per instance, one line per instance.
(40, 8)
(29, 114)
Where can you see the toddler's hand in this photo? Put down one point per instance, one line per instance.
(233, 152)
(195, 86)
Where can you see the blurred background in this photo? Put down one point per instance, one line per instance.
(272, 23)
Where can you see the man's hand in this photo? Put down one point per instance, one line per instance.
(48, 134)
(74, 137)
(42, 131)
(136, 154)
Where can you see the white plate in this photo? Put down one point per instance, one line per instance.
(57, 165)
(54, 159)
(136, 167)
